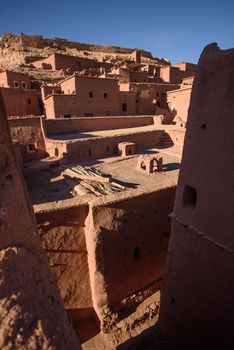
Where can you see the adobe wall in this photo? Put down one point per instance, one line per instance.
(47, 63)
(68, 86)
(197, 307)
(129, 99)
(32, 313)
(187, 67)
(59, 61)
(63, 126)
(29, 131)
(62, 234)
(171, 74)
(148, 96)
(138, 77)
(59, 105)
(20, 102)
(180, 100)
(177, 136)
(98, 105)
(86, 149)
(126, 239)
(11, 77)
(47, 90)
(35, 41)
(80, 103)
(187, 81)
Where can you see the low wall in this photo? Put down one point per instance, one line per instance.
(62, 234)
(88, 149)
(63, 126)
(28, 131)
(127, 241)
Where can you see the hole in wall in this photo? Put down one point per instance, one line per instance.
(136, 253)
(165, 234)
(203, 126)
(189, 197)
(90, 153)
(8, 177)
(172, 300)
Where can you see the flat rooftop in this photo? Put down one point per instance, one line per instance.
(50, 188)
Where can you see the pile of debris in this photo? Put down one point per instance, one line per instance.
(91, 181)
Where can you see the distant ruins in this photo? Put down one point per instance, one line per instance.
(98, 133)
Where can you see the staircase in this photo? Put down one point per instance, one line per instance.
(165, 140)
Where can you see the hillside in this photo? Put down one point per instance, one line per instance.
(21, 50)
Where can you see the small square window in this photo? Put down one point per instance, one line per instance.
(24, 85)
(91, 94)
(105, 95)
(16, 84)
(124, 107)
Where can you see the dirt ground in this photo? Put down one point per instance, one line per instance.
(50, 185)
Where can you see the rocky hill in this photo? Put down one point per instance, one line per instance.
(21, 50)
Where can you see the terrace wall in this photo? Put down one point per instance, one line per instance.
(93, 148)
(63, 126)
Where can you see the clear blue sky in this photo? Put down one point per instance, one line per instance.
(177, 30)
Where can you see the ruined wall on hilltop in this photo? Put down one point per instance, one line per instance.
(17, 50)
(32, 313)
